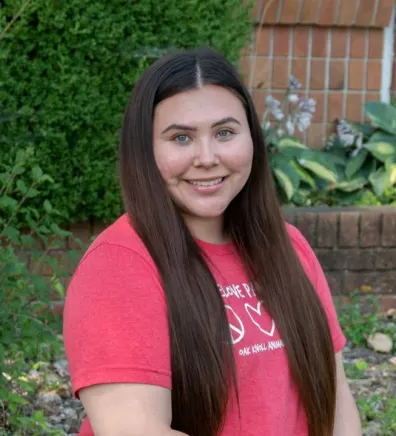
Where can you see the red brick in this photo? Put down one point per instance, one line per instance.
(370, 227)
(299, 70)
(262, 73)
(301, 40)
(259, 96)
(372, 96)
(354, 107)
(376, 41)
(388, 237)
(280, 74)
(263, 40)
(381, 282)
(365, 15)
(328, 11)
(330, 259)
(306, 223)
(318, 72)
(269, 13)
(386, 302)
(374, 70)
(386, 259)
(356, 74)
(281, 40)
(335, 281)
(339, 42)
(309, 11)
(316, 135)
(384, 13)
(335, 106)
(290, 215)
(319, 97)
(244, 70)
(346, 13)
(319, 42)
(358, 43)
(337, 75)
(327, 229)
(349, 229)
(358, 260)
(98, 228)
(289, 13)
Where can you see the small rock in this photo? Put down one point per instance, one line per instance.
(392, 360)
(380, 342)
(62, 368)
(391, 314)
(48, 401)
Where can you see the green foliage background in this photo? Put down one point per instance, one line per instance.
(67, 70)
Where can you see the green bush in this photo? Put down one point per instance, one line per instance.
(29, 329)
(67, 71)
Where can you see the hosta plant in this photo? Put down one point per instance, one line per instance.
(297, 169)
(370, 151)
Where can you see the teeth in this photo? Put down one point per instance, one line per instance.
(207, 182)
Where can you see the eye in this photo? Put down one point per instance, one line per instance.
(182, 139)
(225, 133)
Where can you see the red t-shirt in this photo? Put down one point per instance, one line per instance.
(116, 329)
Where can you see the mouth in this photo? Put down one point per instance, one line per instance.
(206, 183)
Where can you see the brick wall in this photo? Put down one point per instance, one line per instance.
(356, 248)
(334, 47)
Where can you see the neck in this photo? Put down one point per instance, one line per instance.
(206, 229)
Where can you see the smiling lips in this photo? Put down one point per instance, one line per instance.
(207, 185)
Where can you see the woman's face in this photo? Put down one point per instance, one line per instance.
(203, 149)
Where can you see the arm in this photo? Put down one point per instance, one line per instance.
(347, 420)
(127, 409)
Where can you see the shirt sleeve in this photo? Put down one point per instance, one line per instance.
(315, 273)
(115, 321)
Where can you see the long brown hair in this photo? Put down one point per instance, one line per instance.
(202, 360)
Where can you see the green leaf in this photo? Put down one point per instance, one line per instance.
(380, 180)
(37, 172)
(285, 181)
(22, 188)
(319, 170)
(350, 185)
(32, 193)
(18, 170)
(27, 241)
(304, 175)
(355, 163)
(285, 174)
(11, 233)
(8, 202)
(47, 206)
(20, 156)
(382, 115)
(381, 150)
(291, 146)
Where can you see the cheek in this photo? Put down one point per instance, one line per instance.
(171, 163)
(241, 159)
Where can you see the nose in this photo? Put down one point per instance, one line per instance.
(206, 154)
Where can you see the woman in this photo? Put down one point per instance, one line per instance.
(200, 311)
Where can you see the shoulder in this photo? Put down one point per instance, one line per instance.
(120, 234)
(117, 254)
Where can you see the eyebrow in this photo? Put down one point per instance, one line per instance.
(193, 129)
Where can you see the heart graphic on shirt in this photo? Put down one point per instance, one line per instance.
(236, 326)
(257, 318)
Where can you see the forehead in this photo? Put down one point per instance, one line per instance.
(199, 106)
